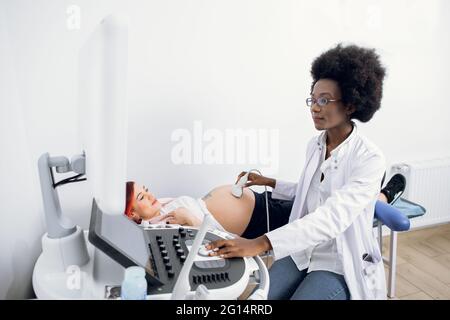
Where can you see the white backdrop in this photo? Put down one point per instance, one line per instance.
(203, 69)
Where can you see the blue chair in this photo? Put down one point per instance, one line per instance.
(396, 221)
(396, 216)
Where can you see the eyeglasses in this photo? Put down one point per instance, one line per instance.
(322, 101)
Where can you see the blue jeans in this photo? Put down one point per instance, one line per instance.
(287, 282)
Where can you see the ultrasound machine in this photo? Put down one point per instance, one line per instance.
(174, 257)
(90, 264)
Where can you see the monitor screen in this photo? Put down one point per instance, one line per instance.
(122, 240)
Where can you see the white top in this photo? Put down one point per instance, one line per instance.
(196, 207)
(324, 256)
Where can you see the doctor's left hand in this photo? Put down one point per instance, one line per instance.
(239, 247)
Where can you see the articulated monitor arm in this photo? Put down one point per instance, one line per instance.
(58, 226)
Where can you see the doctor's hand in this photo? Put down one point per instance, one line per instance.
(255, 179)
(239, 247)
(182, 216)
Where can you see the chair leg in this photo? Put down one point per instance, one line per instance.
(392, 264)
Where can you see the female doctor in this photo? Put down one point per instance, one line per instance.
(328, 249)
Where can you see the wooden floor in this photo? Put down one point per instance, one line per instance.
(423, 263)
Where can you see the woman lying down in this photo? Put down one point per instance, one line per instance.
(245, 216)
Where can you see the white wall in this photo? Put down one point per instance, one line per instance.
(21, 217)
(228, 64)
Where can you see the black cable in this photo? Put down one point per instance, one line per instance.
(267, 214)
(64, 181)
(69, 180)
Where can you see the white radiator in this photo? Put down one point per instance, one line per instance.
(428, 184)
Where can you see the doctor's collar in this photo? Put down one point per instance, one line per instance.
(321, 141)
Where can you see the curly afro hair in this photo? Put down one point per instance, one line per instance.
(358, 72)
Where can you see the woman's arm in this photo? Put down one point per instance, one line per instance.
(240, 247)
(284, 190)
(182, 216)
(336, 214)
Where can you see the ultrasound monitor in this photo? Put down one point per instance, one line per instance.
(122, 240)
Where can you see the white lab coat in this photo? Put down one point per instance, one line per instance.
(347, 215)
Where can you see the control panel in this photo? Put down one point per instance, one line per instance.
(169, 247)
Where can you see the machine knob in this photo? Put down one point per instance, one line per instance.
(170, 273)
(160, 241)
(168, 266)
(177, 246)
(164, 253)
(180, 252)
(175, 240)
(162, 246)
(183, 258)
(166, 259)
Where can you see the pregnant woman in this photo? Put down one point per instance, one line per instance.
(245, 216)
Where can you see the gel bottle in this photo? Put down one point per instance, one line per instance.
(134, 285)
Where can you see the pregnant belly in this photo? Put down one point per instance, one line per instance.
(232, 213)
